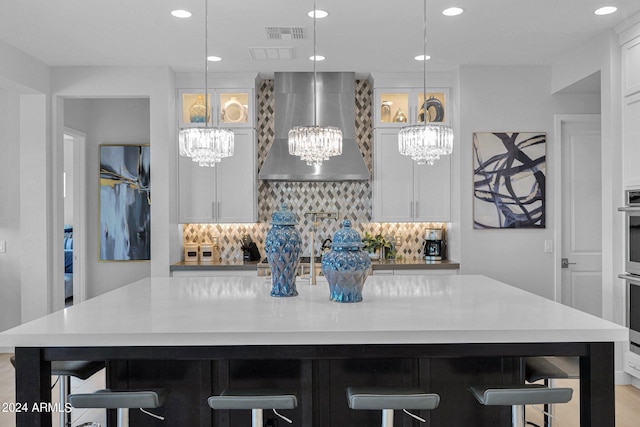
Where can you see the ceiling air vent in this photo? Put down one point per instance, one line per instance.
(271, 53)
(284, 33)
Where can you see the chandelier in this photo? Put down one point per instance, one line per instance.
(206, 145)
(425, 142)
(315, 144)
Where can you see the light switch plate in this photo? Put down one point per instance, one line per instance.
(3, 246)
(548, 246)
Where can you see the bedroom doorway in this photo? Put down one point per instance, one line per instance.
(74, 216)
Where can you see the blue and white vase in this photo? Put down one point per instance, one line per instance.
(283, 246)
(346, 266)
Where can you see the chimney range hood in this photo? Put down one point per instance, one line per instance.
(335, 97)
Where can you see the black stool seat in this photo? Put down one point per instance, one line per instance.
(73, 368)
(520, 394)
(391, 398)
(253, 399)
(545, 368)
(115, 399)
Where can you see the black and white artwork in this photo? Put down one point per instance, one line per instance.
(509, 180)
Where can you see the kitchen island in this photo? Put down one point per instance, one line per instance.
(199, 335)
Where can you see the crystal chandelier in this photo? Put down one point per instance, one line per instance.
(206, 145)
(425, 142)
(315, 144)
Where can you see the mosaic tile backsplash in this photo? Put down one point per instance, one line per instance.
(351, 200)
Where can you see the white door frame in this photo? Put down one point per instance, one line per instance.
(79, 215)
(556, 177)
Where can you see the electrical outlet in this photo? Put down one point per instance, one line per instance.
(3, 246)
(398, 241)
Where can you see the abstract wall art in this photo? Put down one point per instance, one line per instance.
(509, 180)
(125, 203)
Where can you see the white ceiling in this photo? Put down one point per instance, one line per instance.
(359, 35)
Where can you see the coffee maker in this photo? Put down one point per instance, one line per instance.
(433, 248)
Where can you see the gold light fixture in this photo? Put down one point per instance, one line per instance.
(206, 145)
(425, 142)
(315, 144)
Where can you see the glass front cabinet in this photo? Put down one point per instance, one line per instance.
(231, 108)
(398, 107)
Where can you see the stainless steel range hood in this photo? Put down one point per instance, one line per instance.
(335, 97)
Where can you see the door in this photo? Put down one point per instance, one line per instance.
(581, 277)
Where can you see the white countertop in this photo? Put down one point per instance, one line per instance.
(180, 311)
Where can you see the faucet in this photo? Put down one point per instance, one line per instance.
(315, 217)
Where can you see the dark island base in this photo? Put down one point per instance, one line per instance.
(319, 376)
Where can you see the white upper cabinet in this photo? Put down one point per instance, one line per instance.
(631, 106)
(225, 193)
(404, 191)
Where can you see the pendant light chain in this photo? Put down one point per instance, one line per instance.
(206, 145)
(315, 144)
(425, 142)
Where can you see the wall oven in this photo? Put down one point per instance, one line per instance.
(632, 265)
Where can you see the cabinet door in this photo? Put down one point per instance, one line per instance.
(236, 181)
(630, 138)
(433, 191)
(196, 192)
(392, 179)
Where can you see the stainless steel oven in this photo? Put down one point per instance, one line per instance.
(632, 232)
(633, 311)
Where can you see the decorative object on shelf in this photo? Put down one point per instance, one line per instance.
(378, 247)
(399, 117)
(509, 179)
(385, 111)
(434, 109)
(427, 141)
(125, 203)
(346, 266)
(283, 246)
(233, 111)
(199, 112)
(206, 145)
(315, 144)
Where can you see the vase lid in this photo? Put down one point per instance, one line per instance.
(347, 237)
(284, 216)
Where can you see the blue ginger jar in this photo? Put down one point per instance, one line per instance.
(283, 246)
(346, 266)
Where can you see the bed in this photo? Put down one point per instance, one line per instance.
(68, 261)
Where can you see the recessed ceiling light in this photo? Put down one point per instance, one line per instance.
(606, 10)
(452, 11)
(317, 58)
(318, 13)
(214, 58)
(421, 58)
(179, 13)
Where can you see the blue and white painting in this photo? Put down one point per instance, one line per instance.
(509, 179)
(125, 203)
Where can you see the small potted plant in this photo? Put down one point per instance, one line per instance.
(376, 245)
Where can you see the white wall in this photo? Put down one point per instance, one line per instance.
(510, 99)
(9, 209)
(106, 121)
(157, 85)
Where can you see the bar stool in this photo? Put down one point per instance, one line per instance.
(388, 399)
(121, 400)
(64, 370)
(548, 369)
(517, 396)
(256, 400)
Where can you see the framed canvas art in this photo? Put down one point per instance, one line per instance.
(509, 179)
(125, 203)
